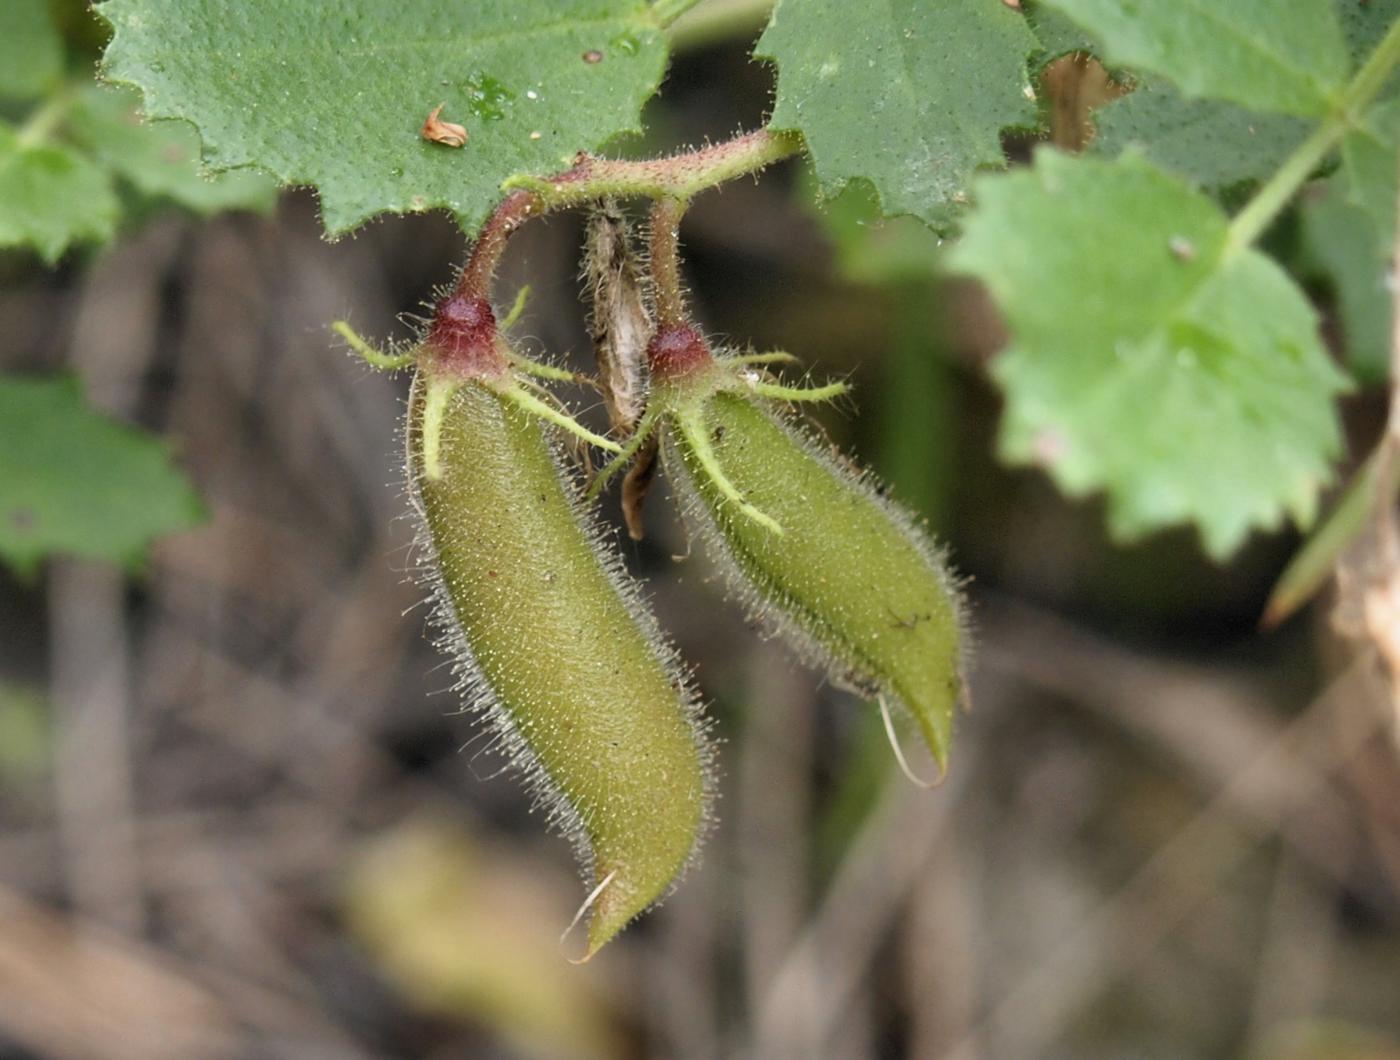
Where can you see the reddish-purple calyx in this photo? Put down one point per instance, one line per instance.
(676, 351)
(462, 337)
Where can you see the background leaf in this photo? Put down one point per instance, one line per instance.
(72, 481)
(1339, 246)
(31, 54)
(908, 95)
(334, 95)
(51, 197)
(1364, 24)
(872, 249)
(1284, 56)
(1212, 143)
(1186, 381)
(160, 159)
(1369, 170)
(1056, 33)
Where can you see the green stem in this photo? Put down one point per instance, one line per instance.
(1347, 113)
(679, 176)
(667, 11)
(45, 119)
(719, 20)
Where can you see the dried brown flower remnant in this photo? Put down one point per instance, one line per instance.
(447, 133)
(621, 322)
(622, 326)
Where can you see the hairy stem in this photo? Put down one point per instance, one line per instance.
(679, 176)
(1347, 113)
(665, 262)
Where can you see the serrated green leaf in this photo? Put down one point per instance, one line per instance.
(160, 158)
(334, 94)
(1056, 33)
(1212, 143)
(74, 482)
(51, 197)
(1184, 379)
(1281, 56)
(909, 95)
(1339, 245)
(31, 53)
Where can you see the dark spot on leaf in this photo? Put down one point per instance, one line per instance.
(23, 520)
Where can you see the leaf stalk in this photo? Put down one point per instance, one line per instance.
(1347, 113)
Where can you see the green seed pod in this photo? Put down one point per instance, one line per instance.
(553, 642)
(813, 548)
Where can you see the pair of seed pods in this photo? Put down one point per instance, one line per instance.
(553, 641)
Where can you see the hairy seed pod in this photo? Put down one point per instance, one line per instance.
(555, 645)
(812, 547)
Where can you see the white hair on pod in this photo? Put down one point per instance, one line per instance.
(772, 609)
(479, 698)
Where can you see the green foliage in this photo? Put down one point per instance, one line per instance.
(31, 53)
(52, 197)
(873, 249)
(334, 95)
(1157, 357)
(1369, 170)
(1282, 56)
(159, 159)
(1340, 246)
(1365, 23)
(63, 171)
(908, 95)
(74, 482)
(1153, 360)
(1217, 143)
(1212, 143)
(1057, 34)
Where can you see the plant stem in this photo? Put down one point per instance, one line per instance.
(667, 11)
(1347, 113)
(677, 177)
(718, 20)
(480, 269)
(665, 262)
(44, 119)
(682, 176)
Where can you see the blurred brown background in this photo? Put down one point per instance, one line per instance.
(240, 818)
